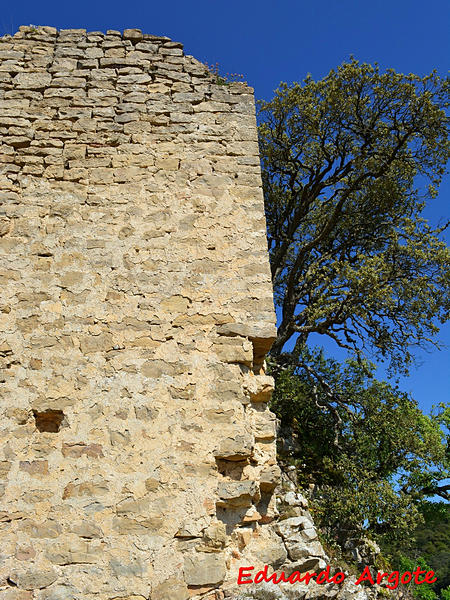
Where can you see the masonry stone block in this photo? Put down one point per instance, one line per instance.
(136, 310)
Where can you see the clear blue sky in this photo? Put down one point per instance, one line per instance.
(269, 42)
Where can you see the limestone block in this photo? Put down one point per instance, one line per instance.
(264, 426)
(295, 499)
(234, 350)
(146, 46)
(127, 526)
(237, 493)
(34, 467)
(18, 141)
(227, 390)
(157, 368)
(96, 343)
(34, 579)
(299, 549)
(48, 529)
(132, 34)
(259, 387)
(265, 547)
(76, 450)
(262, 336)
(309, 534)
(266, 331)
(239, 447)
(131, 568)
(204, 569)
(172, 588)
(72, 552)
(88, 488)
(32, 81)
(192, 528)
(87, 530)
(309, 563)
(214, 537)
(13, 594)
(219, 415)
(5, 467)
(269, 478)
(288, 527)
(175, 304)
(61, 592)
(5, 226)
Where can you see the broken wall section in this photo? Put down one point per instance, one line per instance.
(137, 450)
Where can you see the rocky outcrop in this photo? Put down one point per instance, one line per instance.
(290, 545)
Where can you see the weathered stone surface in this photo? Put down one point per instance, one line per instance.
(77, 450)
(214, 537)
(300, 549)
(61, 592)
(269, 478)
(32, 81)
(309, 534)
(48, 529)
(34, 467)
(135, 315)
(5, 226)
(288, 527)
(238, 447)
(87, 530)
(13, 594)
(253, 332)
(266, 548)
(204, 569)
(34, 579)
(259, 387)
(237, 493)
(264, 425)
(172, 588)
(132, 34)
(310, 563)
(234, 350)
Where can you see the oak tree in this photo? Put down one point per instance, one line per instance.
(348, 163)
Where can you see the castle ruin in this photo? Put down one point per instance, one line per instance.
(137, 450)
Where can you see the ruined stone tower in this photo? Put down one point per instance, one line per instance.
(137, 454)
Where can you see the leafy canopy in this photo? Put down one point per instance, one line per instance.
(368, 447)
(431, 541)
(348, 165)
(351, 257)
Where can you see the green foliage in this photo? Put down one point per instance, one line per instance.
(351, 256)
(429, 540)
(445, 594)
(348, 164)
(364, 443)
(425, 590)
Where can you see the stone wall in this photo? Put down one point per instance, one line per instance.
(137, 455)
